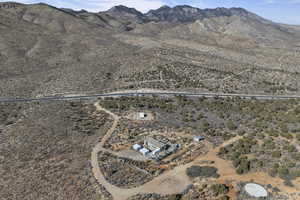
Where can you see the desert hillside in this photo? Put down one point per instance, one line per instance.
(47, 50)
(151, 139)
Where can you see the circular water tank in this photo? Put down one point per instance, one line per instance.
(255, 190)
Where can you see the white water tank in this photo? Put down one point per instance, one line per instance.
(255, 190)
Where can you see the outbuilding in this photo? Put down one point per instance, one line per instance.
(144, 151)
(143, 115)
(137, 147)
(198, 138)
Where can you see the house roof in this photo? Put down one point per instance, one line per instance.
(144, 150)
(136, 146)
(154, 142)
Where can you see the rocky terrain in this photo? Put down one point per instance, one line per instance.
(47, 51)
(47, 148)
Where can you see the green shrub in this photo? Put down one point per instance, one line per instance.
(295, 173)
(288, 182)
(236, 162)
(224, 198)
(272, 172)
(290, 164)
(241, 132)
(286, 135)
(219, 189)
(204, 125)
(239, 170)
(296, 156)
(283, 172)
(175, 197)
(231, 125)
(290, 148)
(283, 127)
(276, 154)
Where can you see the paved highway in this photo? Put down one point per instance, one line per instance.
(137, 93)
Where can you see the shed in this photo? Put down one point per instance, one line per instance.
(137, 147)
(142, 115)
(198, 138)
(144, 151)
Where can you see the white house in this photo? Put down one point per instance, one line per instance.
(144, 151)
(137, 147)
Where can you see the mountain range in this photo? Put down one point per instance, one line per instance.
(46, 50)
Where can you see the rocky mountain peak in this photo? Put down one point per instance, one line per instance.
(186, 8)
(124, 9)
(185, 13)
(163, 8)
(176, 14)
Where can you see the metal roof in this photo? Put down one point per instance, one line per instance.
(136, 146)
(144, 150)
(154, 142)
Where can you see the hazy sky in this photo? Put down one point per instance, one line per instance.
(285, 11)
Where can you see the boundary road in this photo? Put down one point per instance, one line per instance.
(146, 92)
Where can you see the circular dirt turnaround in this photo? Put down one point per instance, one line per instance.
(255, 190)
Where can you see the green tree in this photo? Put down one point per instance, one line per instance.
(276, 154)
(231, 125)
